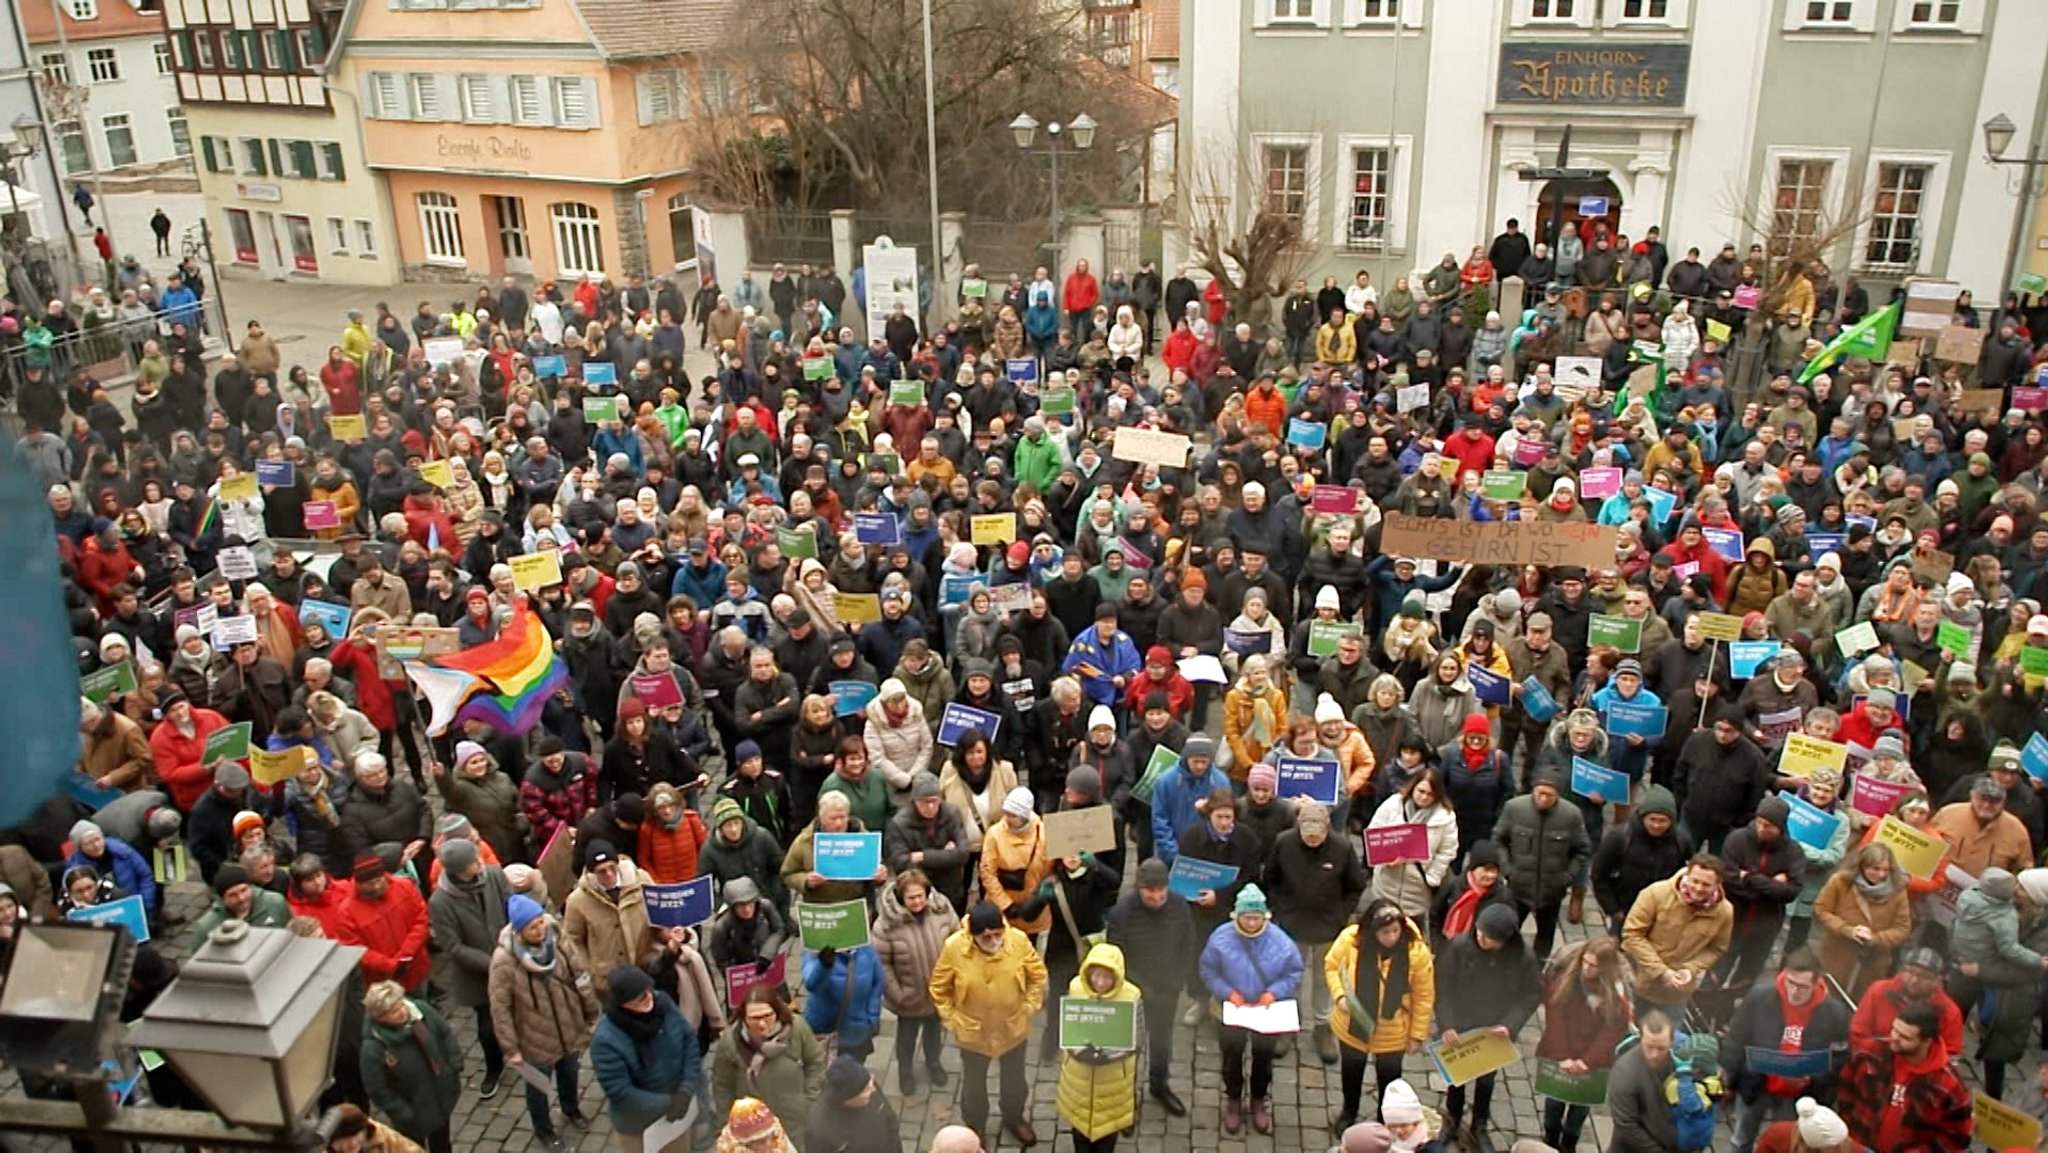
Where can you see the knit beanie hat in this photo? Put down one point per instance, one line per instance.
(1398, 1103)
(1250, 899)
(521, 911)
(1819, 1126)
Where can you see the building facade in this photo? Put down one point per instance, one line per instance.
(543, 138)
(108, 85)
(1402, 130)
(277, 140)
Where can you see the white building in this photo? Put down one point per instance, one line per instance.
(106, 78)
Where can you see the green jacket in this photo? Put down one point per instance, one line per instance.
(271, 911)
(1037, 463)
(414, 1084)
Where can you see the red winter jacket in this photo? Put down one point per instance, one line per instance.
(355, 660)
(1082, 291)
(327, 907)
(424, 523)
(1180, 695)
(389, 930)
(669, 856)
(101, 570)
(178, 757)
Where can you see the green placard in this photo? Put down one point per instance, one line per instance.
(597, 409)
(840, 926)
(906, 392)
(1587, 1088)
(1622, 633)
(115, 680)
(1163, 760)
(2033, 282)
(974, 288)
(1057, 402)
(797, 543)
(1086, 1023)
(1953, 638)
(171, 863)
(888, 462)
(2034, 661)
(817, 367)
(1324, 635)
(228, 744)
(1504, 484)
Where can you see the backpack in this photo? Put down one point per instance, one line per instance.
(1692, 1098)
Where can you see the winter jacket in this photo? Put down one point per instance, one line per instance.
(1761, 1021)
(754, 856)
(491, 802)
(1840, 910)
(465, 921)
(1977, 846)
(178, 757)
(316, 823)
(1479, 988)
(120, 756)
(1311, 890)
(392, 932)
(1543, 854)
(1722, 784)
(399, 815)
(986, 1000)
(943, 841)
(1251, 967)
(909, 949)
(126, 867)
(542, 1013)
(1009, 855)
(1174, 796)
(735, 940)
(1477, 794)
(1937, 1112)
(638, 1079)
(609, 930)
(1413, 884)
(669, 856)
(1394, 1022)
(844, 998)
(1098, 1088)
(1760, 899)
(1664, 933)
(1643, 1117)
(414, 1081)
(798, 863)
(1987, 933)
(1630, 860)
(787, 1082)
(1156, 942)
(976, 810)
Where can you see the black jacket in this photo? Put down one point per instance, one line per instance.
(1630, 860)
(1158, 944)
(1721, 786)
(1477, 989)
(1760, 1021)
(1312, 891)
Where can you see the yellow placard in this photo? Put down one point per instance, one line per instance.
(1912, 676)
(856, 608)
(348, 427)
(1448, 466)
(2001, 1126)
(1475, 1056)
(268, 768)
(995, 528)
(536, 570)
(438, 473)
(1804, 754)
(1719, 626)
(1716, 330)
(1918, 853)
(241, 487)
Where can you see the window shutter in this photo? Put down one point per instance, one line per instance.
(335, 169)
(448, 95)
(276, 157)
(256, 159)
(586, 89)
(206, 150)
(302, 157)
(647, 96)
(476, 98)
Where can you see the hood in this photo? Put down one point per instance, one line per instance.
(889, 908)
(1102, 956)
(933, 669)
(1560, 739)
(1976, 907)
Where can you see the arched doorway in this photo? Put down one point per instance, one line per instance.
(1568, 196)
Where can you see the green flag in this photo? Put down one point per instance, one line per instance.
(1869, 338)
(1641, 353)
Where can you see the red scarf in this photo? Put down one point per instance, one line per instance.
(1464, 911)
(1796, 1018)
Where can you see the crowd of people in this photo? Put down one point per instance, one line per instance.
(1789, 739)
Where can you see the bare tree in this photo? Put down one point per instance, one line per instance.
(1241, 235)
(1798, 239)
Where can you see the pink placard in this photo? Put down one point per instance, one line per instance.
(1599, 482)
(1393, 844)
(1332, 499)
(741, 978)
(657, 690)
(322, 514)
(2028, 398)
(1748, 295)
(1875, 797)
(1528, 450)
(1685, 571)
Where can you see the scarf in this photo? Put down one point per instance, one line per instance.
(415, 1027)
(1264, 722)
(1879, 891)
(535, 958)
(1464, 911)
(1697, 902)
(763, 1050)
(322, 801)
(1366, 976)
(640, 1028)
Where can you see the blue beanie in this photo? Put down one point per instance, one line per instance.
(747, 751)
(521, 911)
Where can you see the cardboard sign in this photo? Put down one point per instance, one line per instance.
(958, 720)
(241, 487)
(680, 905)
(1873, 796)
(1804, 754)
(1633, 719)
(1576, 371)
(1588, 1088)
(1273, 1019)
(600, 372)
(1933, 566)
(112, 681)
(1513, 543)
(1809, 824)
(1411, 397)
(395, 644)
(1316, 779)
(1086, 1023)
(1071, 832)
(846, 856)
(1975, 400)
(1599, 783)
(850, 698)
(1745, 657)
(350, 428)
(741, 979)
(838, 926)
(1190, 876)
(995, 528)
(268, 768)
(1918, 853)
(171, 864)
(228, 744)
(1856, 640)
(797, 543)
(1474, 1056)
(321, 514)
(1307, 434)
(1150, 446)
(1335, 500)
(1503, 484)
(127, 912)
(876, 528)
(535, 571)
(857, 608)
(277, 473)
(1959, 344)
(1719, 626)
(1620, 632)
(1491, 687)
(557, 862)
(1393, 844)
(1324, 635)
(1599, 483)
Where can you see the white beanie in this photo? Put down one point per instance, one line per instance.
(1958, 583)
(1018, 803)
(2034, 883)
(1819, 1126)
(1327, 709)
(1399, 1105)
(1101, 718)
(1326, 598)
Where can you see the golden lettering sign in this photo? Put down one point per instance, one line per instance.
(1548, 73)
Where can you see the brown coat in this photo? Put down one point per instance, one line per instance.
(1977, 847)
(606, 934)
(119, 754)
(1841, 911)
(1663, 933)
(542, 1016)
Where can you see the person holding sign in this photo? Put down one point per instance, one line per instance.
(1249, 961)
(1488, 982)
(1015, 871)
(1783, 1028)
(1865, 915)
(1411, 882)
(1098, 1085)
(986, 986)
(1586, 1014)
(1382, 979)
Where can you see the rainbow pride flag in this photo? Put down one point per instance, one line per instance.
(505, 682)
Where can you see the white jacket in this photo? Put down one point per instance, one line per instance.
(1412, 884)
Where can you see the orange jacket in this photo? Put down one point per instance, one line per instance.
(669, 856)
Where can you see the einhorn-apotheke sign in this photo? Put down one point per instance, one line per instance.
(1595, 74)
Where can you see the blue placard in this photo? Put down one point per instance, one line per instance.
(1599, 783)
(550, 367)
(1489, 686)
(846, 856)
(1307, 433)
(277, 472)
(1190, 876)
(1825, 542)
(600, 372)
(953, 588)
(1809, 824)
(1726, 542)
(127, 911)
(2034, 758)
(959, 719)
(1869, 522)
(688, 903)
(1744, 657)
(1776, 1063)
(1244, 642)
(1021, 369)
(1306, 777)
(850, 698)
(1537, 701)
(1635, 719)
(1592, 206)
(333, 617)
(1661, 503)
(88, 792)
(877, 528)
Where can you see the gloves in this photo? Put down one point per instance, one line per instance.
(679, 1105)
(761, 966)
(1044, 891)
(828, 956)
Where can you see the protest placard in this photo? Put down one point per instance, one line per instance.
(1952, 638)
(1503, 484)
(322, 514)
(877, 528)
(1599, 783)
(1393, 844)
(128, 912)
(1599, 483)
(857, 608)
(1918, 853)
(535, 571)
(1804, 754)
(2000, 1126)
(846, 856)
(1491, 687)
(799, 543)
(1086, 1023)
(112, 681)
(1190, 877)
(1745, 657)
(1307, 434)
(1622, 633)
(236, 562)
(1873, 796)
(440, 473)
(240, 487)
(656, 690)
(228, 744)
(351, 427)
(275, 768)
(328, 615)
(850, 698)
(600, 372)
(995, 528)
(1506, 543)
(1150, 446)
(1071, 832)
(1635, 719)
(739, 979)
(1272, 1019)
(1163, 760)
(1473, 1055)
(280, 473)
(1588, 1088)
(1324, 635)
(1809, 824)
(1719, 626)
(680, 905)
(1337, 500)
(1311, 777)
(959, 719)
(837, 926)
(1857, 639)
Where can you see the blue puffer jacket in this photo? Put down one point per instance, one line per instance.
(128, 870)
(827, 986)
(637, 1080)
(1249, 966)
(1173, 804)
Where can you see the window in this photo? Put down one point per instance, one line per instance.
(304, 259)
(1830, 11)
(295, 159)
(579, 247)
(337, 235)
(234, 54)
(84, 9)
(56, 68)
(163, 57)
(1287, 184)
(1365, 222)
(330, 162)
(203, 50)
(102, 64)
(1645, 9)
(242, 234)
(71, 138)
(529, 102)
(255, 158)
(479, 104)
(512, 228)
(120, 139)
(1378, 11)
(575, 102)
(366, 239)
(382, 94)
(717, 84)
(1937, 14)
(217, 154)
(1550, 9)
(423, 91)
(181, 133)
(1285, 11)
(1799, 204)
(1894, 240)
(441, 228)
(656, 94)
(308, 48)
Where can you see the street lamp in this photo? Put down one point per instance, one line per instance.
(28, 140)
(60, 1008)
(1025, 130)
(1998, 134)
